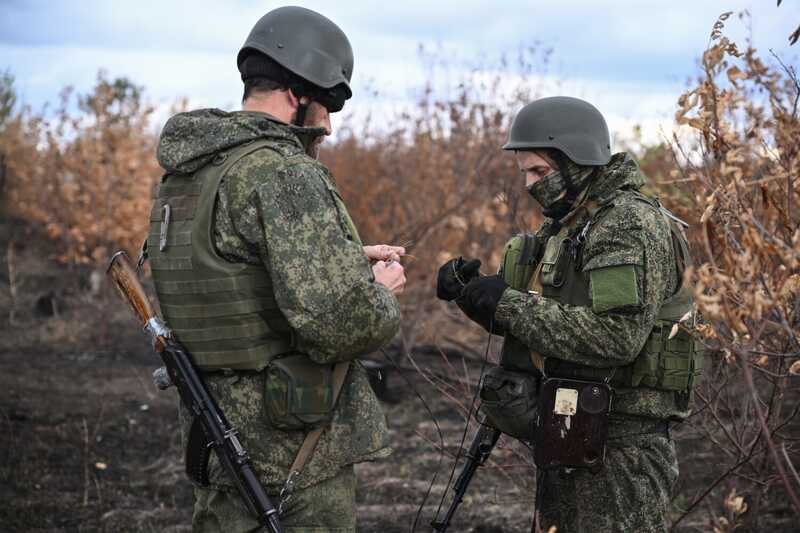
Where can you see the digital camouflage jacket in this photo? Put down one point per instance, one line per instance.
(291, 221)
(630, 232)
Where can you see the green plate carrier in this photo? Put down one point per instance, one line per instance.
(671, 358)
(223, 312)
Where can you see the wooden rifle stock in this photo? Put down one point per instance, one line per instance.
(127, 283)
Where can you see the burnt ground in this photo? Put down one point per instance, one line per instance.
(88, 444)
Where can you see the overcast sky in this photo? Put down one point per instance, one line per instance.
(631, 58)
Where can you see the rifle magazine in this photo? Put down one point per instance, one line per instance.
(198, 452)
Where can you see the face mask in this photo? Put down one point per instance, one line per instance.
(548, 190)
(551, 191)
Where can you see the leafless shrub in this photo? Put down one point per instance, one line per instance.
(737, 181)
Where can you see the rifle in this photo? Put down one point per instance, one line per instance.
(194, 393)
(479, 451)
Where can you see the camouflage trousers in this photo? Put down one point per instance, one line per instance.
(630, 494)
(327, 507)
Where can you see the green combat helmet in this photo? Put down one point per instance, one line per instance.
(571, 125)
(309, 46)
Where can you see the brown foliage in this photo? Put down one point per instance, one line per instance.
(85, 176)
(738, 182)
(434, 177)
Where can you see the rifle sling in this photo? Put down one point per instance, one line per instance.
(312, 437)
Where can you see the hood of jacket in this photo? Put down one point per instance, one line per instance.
(191, 140)
(622, 172)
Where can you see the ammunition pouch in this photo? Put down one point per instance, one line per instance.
(298, 393)
(671, 364)
(508, 400)
(572, 427)
(520, 256)
(555, 261)
(519, 260)
(667, 363)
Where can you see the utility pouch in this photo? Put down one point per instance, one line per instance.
(519, 260)
(668, 361)
(298, 393)
(508, 400)
(572, 425)
(555, 260)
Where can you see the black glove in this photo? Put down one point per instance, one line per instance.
(454, 275)
(480, 298)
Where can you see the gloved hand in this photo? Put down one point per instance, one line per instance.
(480, 298)
(454, 275)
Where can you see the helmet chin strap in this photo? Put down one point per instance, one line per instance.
(562, 206)
(302, 109)
(565, 205)
(563, 168)
(300, 117)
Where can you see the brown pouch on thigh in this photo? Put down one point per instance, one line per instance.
(572, 425)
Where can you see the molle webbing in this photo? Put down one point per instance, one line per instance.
(664, 363)
(520, 257)
(519, 260)
(224, 312)
(670, 359)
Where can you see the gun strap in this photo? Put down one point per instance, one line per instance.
(312, 437)
(197, 454)
(310, 442)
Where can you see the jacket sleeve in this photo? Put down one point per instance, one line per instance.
(628, 259)
(322, 281)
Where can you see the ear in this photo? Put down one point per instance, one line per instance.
(293, 100)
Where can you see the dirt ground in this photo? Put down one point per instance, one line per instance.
(87, 443)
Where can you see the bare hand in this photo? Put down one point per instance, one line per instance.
(391, 275)
(384, 252)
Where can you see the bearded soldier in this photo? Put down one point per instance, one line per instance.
(598, 356)
(261, 274)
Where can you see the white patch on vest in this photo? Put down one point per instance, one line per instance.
(563, 428)
(165, 216)
(566, 402)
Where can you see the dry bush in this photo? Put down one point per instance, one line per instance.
(86, 175)
(434, 176)
(736, 180)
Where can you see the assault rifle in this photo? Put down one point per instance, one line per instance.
(194, 393)
(479, 451)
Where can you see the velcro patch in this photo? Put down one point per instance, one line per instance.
(614, 287)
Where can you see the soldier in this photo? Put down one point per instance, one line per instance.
(260, 272)
(595, 296)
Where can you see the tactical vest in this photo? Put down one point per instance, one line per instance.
(225, 313)
(670, 360)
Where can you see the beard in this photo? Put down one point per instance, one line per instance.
(313, 147)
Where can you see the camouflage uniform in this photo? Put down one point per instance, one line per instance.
(632, 492)
(289, 218)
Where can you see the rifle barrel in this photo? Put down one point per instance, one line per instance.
(482, 445)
